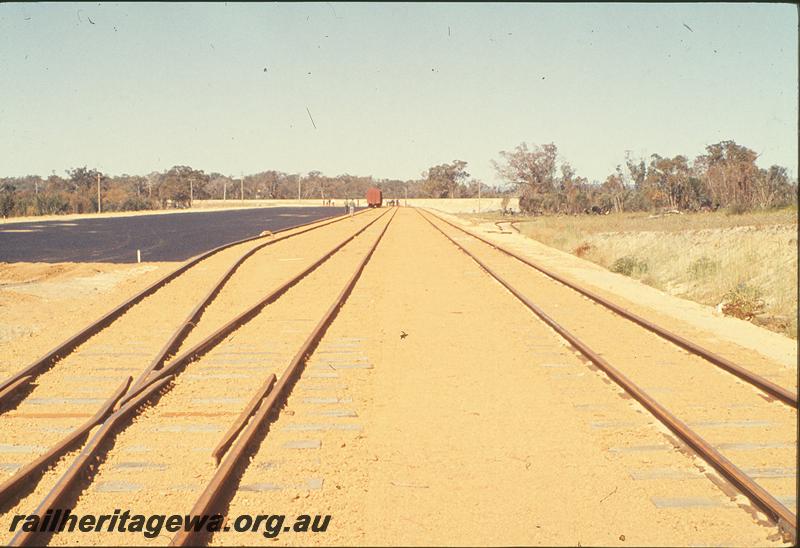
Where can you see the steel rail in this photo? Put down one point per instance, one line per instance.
(241, 421)
(782, 394)
(33, 469)
(214, 338)
(785, 519)
(158, 380)
(177, 338)
(27, 472)
(24, 475)
(82, 464)
(210, 500)
(500, 228)
(11, 385)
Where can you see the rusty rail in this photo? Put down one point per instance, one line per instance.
(214, 338)
(26, 473)
(82, 464)
(500, 228)
(785, 519)
(209, 500)
(241, 421)
(782, 394)
(177, 338)
(11, 386)
(137, 395)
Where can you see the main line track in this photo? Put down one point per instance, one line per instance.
(781, 393)
(605, 332)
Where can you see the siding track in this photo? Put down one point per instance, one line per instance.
(200, 394)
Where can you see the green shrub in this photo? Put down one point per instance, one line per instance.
(703, 267)
(737, 208)
(629, 266)
(134, 203)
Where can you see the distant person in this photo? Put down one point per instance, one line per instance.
(352, 207)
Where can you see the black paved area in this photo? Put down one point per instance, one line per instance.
(166, 237)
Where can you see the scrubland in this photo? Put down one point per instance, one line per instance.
(745, 265)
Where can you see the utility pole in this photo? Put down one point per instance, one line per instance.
(99, 209)
(224, 189)
(298, 187)
(191, 191)
(241, 185)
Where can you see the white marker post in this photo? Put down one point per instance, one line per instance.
(138, 255)
(99, 208)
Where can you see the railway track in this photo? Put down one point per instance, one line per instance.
(16, 386)
(770, 387)
(746, 430)
(133, 332)
(222, 385)
(187, 433)
(55, 414)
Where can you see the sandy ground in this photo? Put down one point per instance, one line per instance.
(449, 437)
(677, 379)
(42, 303)
(437, 410)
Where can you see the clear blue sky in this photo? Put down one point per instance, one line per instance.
(392, 88)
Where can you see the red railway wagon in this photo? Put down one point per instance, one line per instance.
(374, 197)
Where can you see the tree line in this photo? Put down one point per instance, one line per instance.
(177, 187)
(725, 176)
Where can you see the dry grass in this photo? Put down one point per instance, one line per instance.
(711, 258)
